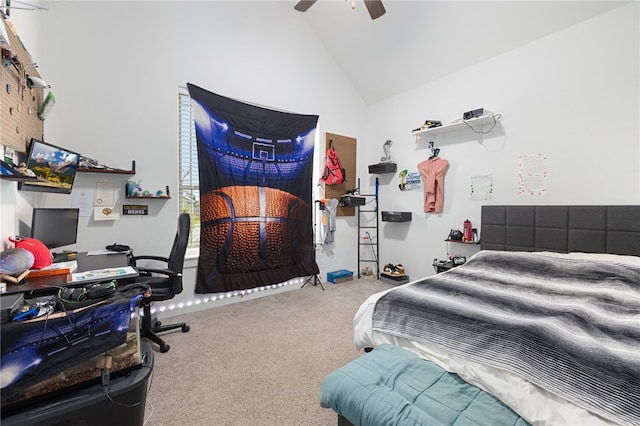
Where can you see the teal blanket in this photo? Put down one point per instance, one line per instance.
(393, 386)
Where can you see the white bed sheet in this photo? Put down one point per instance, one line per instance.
(535, 404)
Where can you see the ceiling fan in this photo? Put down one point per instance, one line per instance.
(375, 7)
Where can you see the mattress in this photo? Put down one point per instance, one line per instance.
(536, 404)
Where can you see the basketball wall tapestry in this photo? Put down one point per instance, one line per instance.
(256, 169)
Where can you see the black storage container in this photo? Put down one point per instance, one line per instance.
(383, 168)
(396, 216)
(351, 201)
(121, 401)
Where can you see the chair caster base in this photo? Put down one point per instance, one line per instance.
(185, 328)
(164, 347)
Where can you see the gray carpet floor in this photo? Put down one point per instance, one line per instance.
(258, 362)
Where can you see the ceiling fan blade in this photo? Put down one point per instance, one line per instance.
(304, 5)
(375, 8)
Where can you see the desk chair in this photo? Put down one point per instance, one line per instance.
(164, 283)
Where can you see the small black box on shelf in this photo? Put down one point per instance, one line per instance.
(383, 168)
(351, 201)
(396, 216)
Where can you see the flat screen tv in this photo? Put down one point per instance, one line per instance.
(55, 227)
(55, 168)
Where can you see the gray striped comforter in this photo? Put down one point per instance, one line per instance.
(570, 326)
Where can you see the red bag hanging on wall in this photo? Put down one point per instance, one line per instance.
(333, 170)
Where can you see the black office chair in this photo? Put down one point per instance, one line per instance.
(164, 283)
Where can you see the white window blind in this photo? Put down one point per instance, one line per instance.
(189, 179)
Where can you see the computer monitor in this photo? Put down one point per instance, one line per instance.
(55, 227)
(54, 167)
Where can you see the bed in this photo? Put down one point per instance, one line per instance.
(545, 317)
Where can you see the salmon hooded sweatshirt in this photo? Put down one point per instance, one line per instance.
(432, 172)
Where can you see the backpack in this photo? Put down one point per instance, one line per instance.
(333, 170)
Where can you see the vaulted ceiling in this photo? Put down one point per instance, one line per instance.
(416, 42)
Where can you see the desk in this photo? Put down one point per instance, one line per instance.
(42, 286)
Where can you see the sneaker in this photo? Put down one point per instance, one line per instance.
(427, 125)
(393, 270)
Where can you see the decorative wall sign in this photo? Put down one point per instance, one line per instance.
(481, 187)
(532, 174)
(135, 210)
(104, 195)
(105, 213)
(10, 155)
(410, 180)
(104, 202)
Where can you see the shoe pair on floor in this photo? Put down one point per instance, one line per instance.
(394, 270)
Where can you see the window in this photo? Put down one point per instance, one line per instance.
(189, 179)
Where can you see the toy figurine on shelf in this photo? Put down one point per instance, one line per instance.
(133, 188)
(23, 170)
(387, 152)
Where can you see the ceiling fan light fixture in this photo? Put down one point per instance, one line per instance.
(374, 7)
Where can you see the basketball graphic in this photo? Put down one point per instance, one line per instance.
(247, 229)
(255, 170)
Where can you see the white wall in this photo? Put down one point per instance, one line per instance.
(573, 96)
(115, 69)
(116, 72)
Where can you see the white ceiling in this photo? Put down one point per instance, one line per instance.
(416, 42)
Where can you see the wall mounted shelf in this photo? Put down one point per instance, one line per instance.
(22, 178)
(149, 197)
(396, 216)
(109, 170)
(383, 168)
(463, 242)
(352, 201)
(459, 125)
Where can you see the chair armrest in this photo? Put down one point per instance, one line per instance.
(148, 257)
(162, 271)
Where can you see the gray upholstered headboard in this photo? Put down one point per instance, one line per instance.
(589, 229)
